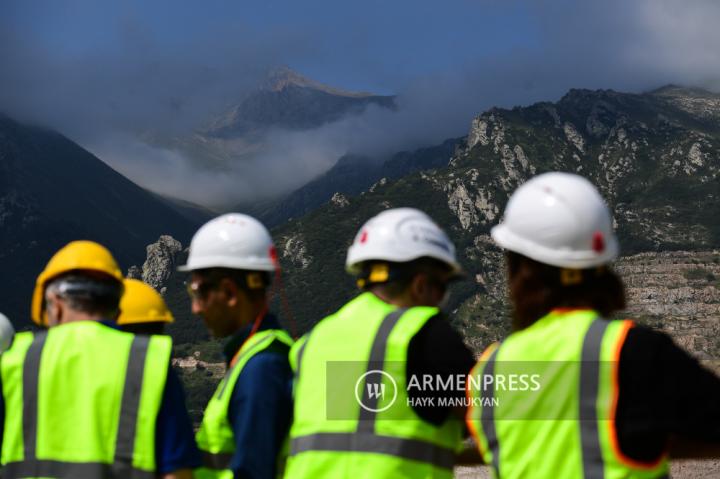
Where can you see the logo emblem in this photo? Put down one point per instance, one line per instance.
(370, 389)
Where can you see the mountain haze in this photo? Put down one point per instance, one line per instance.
(351, 175)
(284, 101)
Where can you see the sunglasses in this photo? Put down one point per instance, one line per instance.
(199, 290)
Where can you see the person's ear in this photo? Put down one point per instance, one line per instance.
(230, 290)
(419, 289)
(54, 308)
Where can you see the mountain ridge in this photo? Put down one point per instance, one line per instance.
(657, 164)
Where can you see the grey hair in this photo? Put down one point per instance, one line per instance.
(88, 295)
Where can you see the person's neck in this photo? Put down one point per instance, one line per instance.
(77, 316)
(250, 314)
(402, 301)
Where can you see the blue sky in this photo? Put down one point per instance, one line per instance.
(110, 73)
(369, 45)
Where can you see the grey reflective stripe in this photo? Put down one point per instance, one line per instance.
(411, 449)
(218, 460)
(366, 422)
(31, 377)
(125, 440)
(593, 464)
(71, 470)
(252, 349)
(488, 415)
(300, 353)
(127, 424)
(365, 440)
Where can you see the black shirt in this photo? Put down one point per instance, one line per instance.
(663, 392)
(439, 351)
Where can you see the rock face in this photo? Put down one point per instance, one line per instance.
(678, 292)
(134, 272)
(658, 168)
(161, 261)
(295, 250)
(339, 200)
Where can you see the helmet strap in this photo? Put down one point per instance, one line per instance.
(376, 273)
(571, 277)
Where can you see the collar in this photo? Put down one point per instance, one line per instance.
(110, 324)
(569, 310)
(236, 340)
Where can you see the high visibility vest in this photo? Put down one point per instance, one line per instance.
(352, 416)
(561, 422)
(215, 438)
(81, 400)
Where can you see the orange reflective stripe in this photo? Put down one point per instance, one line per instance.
(470, 414)
(614, 441)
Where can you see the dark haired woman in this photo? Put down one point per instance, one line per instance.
(569, 393)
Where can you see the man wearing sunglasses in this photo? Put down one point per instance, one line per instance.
(361, 409)
(231, 262)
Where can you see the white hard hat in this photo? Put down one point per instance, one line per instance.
(558, 219)
(6, 333)
(400, 235)
(233, 240)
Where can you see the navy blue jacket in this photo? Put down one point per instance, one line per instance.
(260, 410)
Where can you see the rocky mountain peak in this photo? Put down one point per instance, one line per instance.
(281, 78)
(675, 91)
(700, 103)
(580, 97)
(288, 100)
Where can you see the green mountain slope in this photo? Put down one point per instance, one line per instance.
(655, 157)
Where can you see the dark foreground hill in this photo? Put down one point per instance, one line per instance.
(52, 191)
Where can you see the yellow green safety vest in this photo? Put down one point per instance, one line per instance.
(81, 401)
(215, 437)
(352, 417)
(559, 423)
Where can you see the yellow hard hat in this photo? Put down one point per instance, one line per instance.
(142, 304)
(77, 255)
